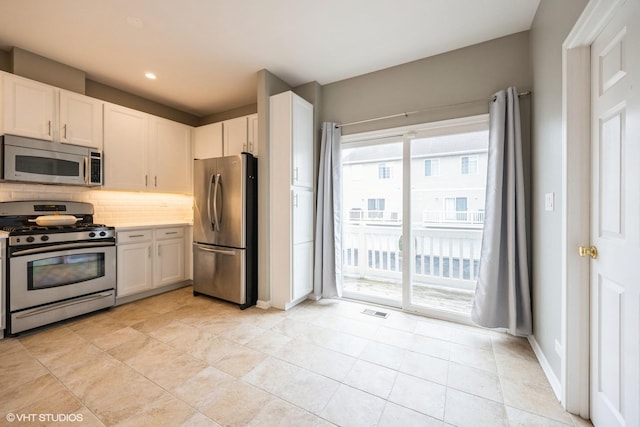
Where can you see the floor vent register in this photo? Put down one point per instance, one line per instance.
(376, 313)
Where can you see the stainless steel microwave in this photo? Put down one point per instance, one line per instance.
(35, 160)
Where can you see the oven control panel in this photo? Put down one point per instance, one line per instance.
(73, 236)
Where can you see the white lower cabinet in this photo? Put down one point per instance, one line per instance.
(150, 259)
(169, 251)
(134, 271)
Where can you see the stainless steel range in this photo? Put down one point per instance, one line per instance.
(59, 263)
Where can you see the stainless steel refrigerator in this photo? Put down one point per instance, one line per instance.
(225, 225)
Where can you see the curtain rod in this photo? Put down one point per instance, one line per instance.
(408, 113)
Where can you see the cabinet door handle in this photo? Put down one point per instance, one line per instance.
(146, 180)
(295, 174)
(149, 251)
(49, 131)
(171, 232)
(155, 181)
(64, 128)
(295, 200)
(137, 235)
(158, 250)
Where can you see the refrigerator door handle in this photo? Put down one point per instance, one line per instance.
(216, 187)
(209, 202)
(217, 251)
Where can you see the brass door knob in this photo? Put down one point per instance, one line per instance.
(590, 251)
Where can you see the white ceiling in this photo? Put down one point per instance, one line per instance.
(206, 52)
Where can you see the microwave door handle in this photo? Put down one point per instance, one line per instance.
(216, 188)
(86, 169)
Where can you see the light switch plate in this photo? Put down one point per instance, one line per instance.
(549, 202)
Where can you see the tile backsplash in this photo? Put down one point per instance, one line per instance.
(111, 207)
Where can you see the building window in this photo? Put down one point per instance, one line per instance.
(384, 171)
(432, 167)
(375, 204)
(455, 209)
(469, 165)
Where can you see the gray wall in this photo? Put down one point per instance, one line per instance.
(465, 75)
(39, 68)
(553, 21)
(230, 114)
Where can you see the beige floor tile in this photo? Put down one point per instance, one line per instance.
(166, 410)
(16, 396)
(175, 330)
(352, 407)
(533, 397)
(63, 403)
(518, 418)
(426, 367)
(240, 361)
(9, 345)
(119, 337)
(131, 313)
(269, 342)
(341, 342)
(237, 403)
(396, 415)
(201, 389)
(317, 359)
(273, 375)
(278, 413)
(152, 324)
(241, 333)
(372, 378)
(383, 354)
(308, 390)
(359, 328)
(96, 325)
(434, 330)
(420, 395)
(430, 346)
(475, 381)
(294, 328)
(463, 409)
(199, 420)
(471, 339)
(400, 321)
(393, 337)
(49, 344)
(523, 369)
(20, 367)
(474, 357)
(509, 345)
(138, 346)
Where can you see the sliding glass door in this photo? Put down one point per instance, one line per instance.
(372, 221)
(413, 216)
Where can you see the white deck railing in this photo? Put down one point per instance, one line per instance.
(444, 257)
(453, 217)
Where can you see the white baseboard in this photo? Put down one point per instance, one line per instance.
(263, 304)
(546, 367)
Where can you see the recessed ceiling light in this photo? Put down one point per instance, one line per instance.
(150, 76)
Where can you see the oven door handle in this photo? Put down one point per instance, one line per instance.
(65, 246)
(80, 300)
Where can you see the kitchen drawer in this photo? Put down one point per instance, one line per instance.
(134, 236)
(169, 233)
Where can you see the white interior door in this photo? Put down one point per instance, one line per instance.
(615, 221)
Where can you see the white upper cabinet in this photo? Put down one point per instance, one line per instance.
(80, 119)
(208, 141)
(302, 140)
(37, 110)
(29, 108)
(170, 161)
(126, 141)
(144, 152)
(235, 136)
(226, 138)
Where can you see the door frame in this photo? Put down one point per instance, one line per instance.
(576, 204)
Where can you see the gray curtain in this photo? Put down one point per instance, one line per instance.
(327, 279)
(503, 298)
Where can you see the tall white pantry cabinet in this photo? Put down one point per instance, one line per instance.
(291, 193)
